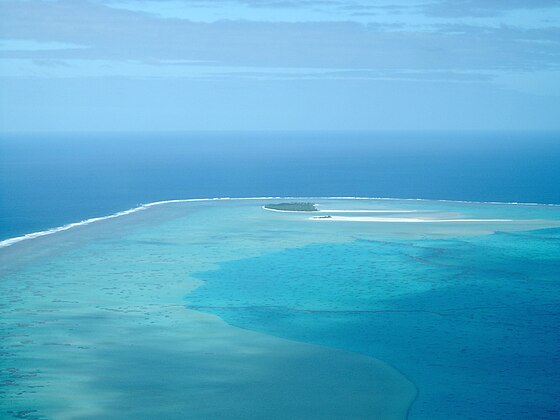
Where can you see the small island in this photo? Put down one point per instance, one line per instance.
(291, 207)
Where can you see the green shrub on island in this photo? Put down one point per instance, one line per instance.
(291, 206)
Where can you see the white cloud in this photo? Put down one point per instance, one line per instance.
(33, 45)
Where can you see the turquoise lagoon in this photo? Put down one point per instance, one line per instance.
(220, 309)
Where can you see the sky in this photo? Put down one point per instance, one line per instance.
(181, 65)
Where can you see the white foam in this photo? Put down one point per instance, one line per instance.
(505, 203)
(283, 211)
(368, 211)
(403, 219)
(334, 210)
(11, 241)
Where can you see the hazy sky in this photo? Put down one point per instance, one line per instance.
(279, 64)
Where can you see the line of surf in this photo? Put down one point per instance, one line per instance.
(367, 211)
(404, 220)
(439, 200)
(338, 211)
(11, 241)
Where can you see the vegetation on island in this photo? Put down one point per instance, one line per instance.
(291, 206)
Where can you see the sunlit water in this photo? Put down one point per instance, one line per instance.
(124, 318)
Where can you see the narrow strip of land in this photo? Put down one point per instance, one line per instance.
(403, 219)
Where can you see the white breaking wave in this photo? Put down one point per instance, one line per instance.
(11, 241)
(505, 203)
(368, 211)
(403, 219)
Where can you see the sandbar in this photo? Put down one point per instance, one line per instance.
(404, 220)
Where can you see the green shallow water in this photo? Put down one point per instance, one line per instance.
(124, 318)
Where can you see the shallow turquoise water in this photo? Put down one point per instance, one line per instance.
(472, 321)
(101, 316)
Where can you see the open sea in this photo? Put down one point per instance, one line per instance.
(51, 180)
(428, 289)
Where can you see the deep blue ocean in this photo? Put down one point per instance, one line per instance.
(50, 180)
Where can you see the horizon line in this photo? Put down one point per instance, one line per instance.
(307, 130)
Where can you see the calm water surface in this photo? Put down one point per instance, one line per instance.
(133, 308)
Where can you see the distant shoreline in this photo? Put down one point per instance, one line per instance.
(405, 220)
(11, 241)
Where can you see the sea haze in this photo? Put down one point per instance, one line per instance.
(49, 180)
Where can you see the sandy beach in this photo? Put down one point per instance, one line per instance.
(404, 220)
(366, 211)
